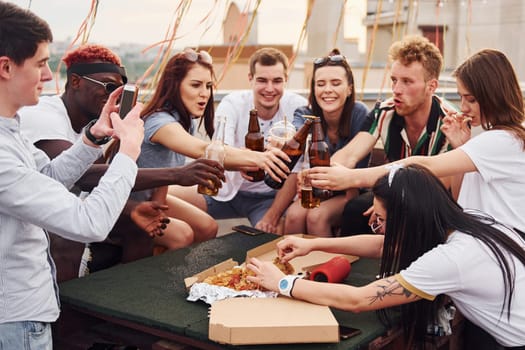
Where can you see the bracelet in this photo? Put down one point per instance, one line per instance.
(286, 284)
(92, 138)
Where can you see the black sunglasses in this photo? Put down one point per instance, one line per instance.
(109, 87)
(332, 58)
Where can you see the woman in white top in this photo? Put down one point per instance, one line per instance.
(489, 167)
(429, 248)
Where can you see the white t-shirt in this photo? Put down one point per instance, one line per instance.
(48, 120)
(464, 269)
(498, 187)
(236, 107)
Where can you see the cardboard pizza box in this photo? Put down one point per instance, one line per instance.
(282, 320)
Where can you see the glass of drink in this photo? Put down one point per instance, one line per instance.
(308, 200)
(281, 132)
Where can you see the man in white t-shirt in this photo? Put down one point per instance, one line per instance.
(238, 197)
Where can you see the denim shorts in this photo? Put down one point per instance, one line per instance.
(250, 205)
(26, 335)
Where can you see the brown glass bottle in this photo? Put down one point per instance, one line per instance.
(254, 140)
(294, 148)
(319, 155)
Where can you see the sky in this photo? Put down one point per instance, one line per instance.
(147, 21)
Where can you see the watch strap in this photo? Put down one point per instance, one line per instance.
(92, 137)
(286, 284)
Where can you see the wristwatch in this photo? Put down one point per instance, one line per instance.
(286, 284)
(92, 138)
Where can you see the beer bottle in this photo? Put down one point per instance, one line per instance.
(254, 140)
(294, 148)
(215, 151)
(319, 155)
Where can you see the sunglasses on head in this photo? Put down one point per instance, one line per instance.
(193, 56)
(109, 87)
(332, 58)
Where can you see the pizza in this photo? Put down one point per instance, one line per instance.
(235, 278)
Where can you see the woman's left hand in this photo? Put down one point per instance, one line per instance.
(267, 274)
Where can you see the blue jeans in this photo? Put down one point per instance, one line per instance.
(26, 335)
(249, 205)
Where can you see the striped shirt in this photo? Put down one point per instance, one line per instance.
(389, 126)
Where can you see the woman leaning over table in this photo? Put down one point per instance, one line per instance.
(429, 248)
(489, 167)
(185, 92)
(332, 98)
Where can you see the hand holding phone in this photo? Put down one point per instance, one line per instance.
(128, 99)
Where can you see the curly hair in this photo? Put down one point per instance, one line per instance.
(89, 53)
(416, 48)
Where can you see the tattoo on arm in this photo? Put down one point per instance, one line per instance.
(390, 287)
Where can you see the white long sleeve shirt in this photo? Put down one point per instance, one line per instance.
(34, 196)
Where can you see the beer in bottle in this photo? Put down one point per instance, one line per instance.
(294, 148)
(215, 151)
(254, 140)
(319, 155)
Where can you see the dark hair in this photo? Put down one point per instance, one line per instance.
(21, 31)
(418, 221)
(345, 121)
(489, 76)
(167, 94)
(268, 56)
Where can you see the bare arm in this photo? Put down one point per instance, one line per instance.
(174, 137)
(379, 294)
(452, 163)
(355, 150)
(197, 172)
(365, 245)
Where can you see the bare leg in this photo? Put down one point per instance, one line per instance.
(203, 225)
(190, 195)
(321, 220)
(295, 221)
(178, 234)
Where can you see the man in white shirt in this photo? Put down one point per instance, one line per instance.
(239, 197)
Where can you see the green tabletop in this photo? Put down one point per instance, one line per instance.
(151, 292)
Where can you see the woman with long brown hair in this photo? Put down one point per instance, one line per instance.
(184, 93)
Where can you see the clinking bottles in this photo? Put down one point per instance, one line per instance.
(319, 155)
(294, 148)
(254, 140)
(215, 151)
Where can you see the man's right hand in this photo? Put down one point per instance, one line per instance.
(201, 172)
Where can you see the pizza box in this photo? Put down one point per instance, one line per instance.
(281, 320)
(301, 265)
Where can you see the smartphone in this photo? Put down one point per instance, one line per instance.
(252, 231)
(128, 99)
(348, 332)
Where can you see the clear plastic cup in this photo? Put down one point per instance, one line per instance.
(280, 133)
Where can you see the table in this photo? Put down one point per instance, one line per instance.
(149, 295)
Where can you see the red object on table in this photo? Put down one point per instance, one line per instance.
(334, 270)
